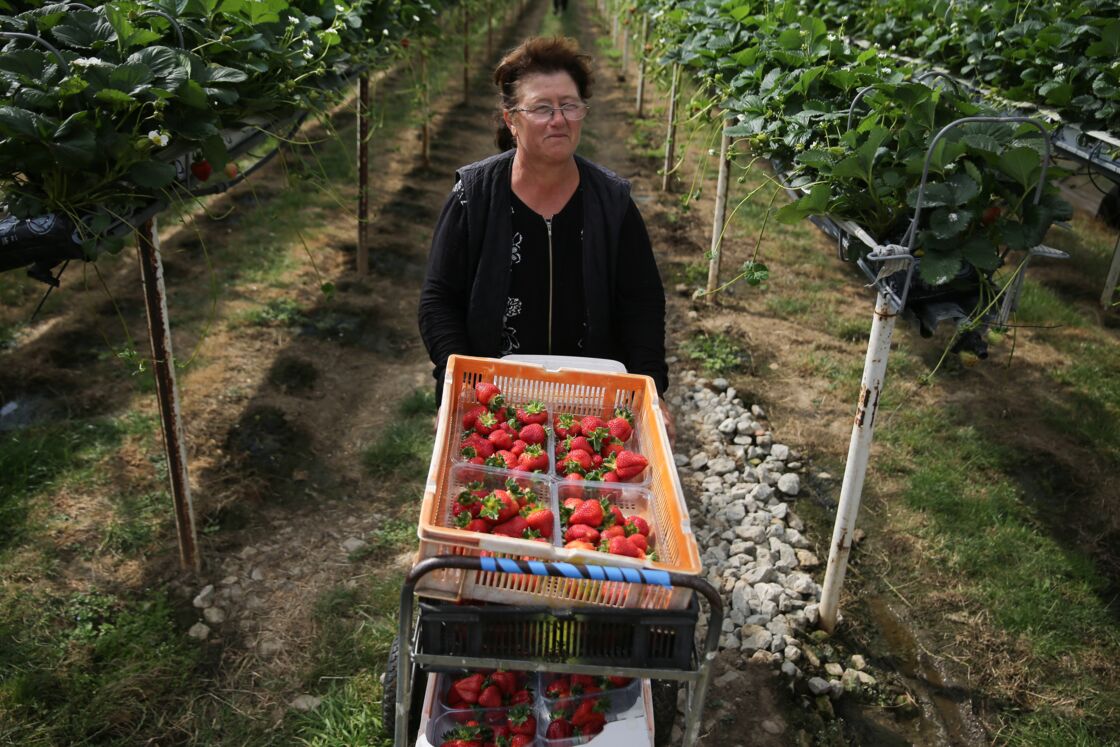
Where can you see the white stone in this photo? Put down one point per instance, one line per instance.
(791, 653)
(199, 631)
(789, 669)
(257, 575)
(354, 544)
(796, 539)
(229, 580)
(214, 615)
(789, 483)
(758, 575)
(754, 637)
(680, 460)
(758, 412)
(866, 679)
(779, 452)
(306, 702)
(858, 662)
(735, 512)
(818, 686)
(807, 560)
(750, 533)
(270, 647)
(698, 461)
(205, 598)
(850, 680)
(727, 427)
(834, 669)
(812, 614)
(721, 465)
(762, 492)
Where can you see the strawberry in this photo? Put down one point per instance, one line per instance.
(534, 412)
(591, 423)
(533, 433)
(516, 527)
(231, 170)
(590, 512)
(468, 688)
(579, 545)
(201, 169)
(463, 736)
(467, 522)
(485, 424)
(598, 438)
(637, 525)
(558, 688)
(566, 425)
(579, 461)
(991, 215)
(490, 697)
(616, 681)
(570, 486)
(479, 445)
(521, 696)
(518, 447)
(620, 428)
(613, 515)
(499, 507)
(466, 502)
(521, 720)
(629, 465)
(560, 728)
(611, 476)
(580, 443)
(501, 439)
(487, 392)
(471, 415)
(623, 546)
(613, 531)
(541, 519)
(507, 681)
(509, 459)
(522, 740)
(639, 541)
(582, 532)
(581, 683)
(612, 447)
(572, 503)
(590, 713)
(533, 459)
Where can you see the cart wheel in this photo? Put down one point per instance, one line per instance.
(664, 694)
(389, 694)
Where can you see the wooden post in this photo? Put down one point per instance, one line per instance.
(642, 64)
(720, 216)
(363, 175)
(670, 137)
(167, 392)
(466, 55)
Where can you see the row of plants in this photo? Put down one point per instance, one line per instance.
(788, 85)
(137, 100)
(1065, 55)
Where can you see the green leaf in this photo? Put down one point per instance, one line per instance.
(1056, 92)
(1022, 164)
(165, 64)
(191, 94)
(981, 253)
(949, 222)
(219, 74)
(85, 30)
(152, 174)
(130, 77)
(76, 152)
(814, 203)
(16, 122)
(113, 97)
(26, 63)
(958, 189)
(72, 85)
(936, 268)
(981, 142)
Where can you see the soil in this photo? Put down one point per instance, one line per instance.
(277, 418)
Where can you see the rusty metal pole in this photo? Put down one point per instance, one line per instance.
(163, 366)
(363, 174)
(859, 450)
(671, 136)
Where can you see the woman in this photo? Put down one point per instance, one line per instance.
(537, 249)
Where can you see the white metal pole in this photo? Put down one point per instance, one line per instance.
(874, 371)
(720, 214)
(642, 65)
(625, 46)
(670, 137)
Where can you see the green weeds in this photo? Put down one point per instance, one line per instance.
(406, 443)
(718, 354)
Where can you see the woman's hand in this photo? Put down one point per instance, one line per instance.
(670, 426)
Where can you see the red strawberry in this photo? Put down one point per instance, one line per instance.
(572, 503)
(639, 541)
(566, 425)
(629, 465)
(579, 461)
(582, 532)
(487, 392)
(202, 169)
(471, 415)
(533, 459)
(581, 683)
(637, 525)
(590, 423)
(558, 688)
(465, 521)
(507, 681)
(620, 428)
(580, 443)
(518, 447)
(570, 486)
(589, 713)
(616, 681)
(614, 516)
(579, 545)
(515, 527)
(521, 696)
(611, 476)
(589, 512)
(498, 507)
(533, 433)
(468, 687)
(541, 519)
(534, 412)
(231, 170)
(522, 740)
(521, 720)
(560, 728)
(478, 445)
(613, 531)
(501, 439)
(485, 424)
(623, 546)
(611, 447)
(509, 459)
(490, 697)
(464, 736)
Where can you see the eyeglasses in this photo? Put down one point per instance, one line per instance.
(542, 113)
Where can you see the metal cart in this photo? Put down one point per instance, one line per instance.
(641, 643)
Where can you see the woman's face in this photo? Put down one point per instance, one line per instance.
(554, 140)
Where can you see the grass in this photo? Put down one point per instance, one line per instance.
(717, 353)
(407, 442)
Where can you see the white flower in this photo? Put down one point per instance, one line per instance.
(384, 32)
(308, 54)
(953, 217)
(159, 138)
(416, 19)
(86, 61)
(339, 8)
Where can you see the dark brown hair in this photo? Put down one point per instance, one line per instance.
(538, 54)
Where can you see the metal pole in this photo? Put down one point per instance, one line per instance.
(874, 371)
(489, 29)
(1113, 277)
(167, 392)
(625, 46)
(670, 137)
(642, 64)
(720, 215)
(363, 174)
(425, 108)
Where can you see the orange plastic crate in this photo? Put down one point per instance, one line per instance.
(566, 390)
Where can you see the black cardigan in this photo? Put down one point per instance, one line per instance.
(464, 293)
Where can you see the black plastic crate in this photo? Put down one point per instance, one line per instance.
(653, 639)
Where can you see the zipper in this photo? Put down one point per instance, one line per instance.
(548, 225)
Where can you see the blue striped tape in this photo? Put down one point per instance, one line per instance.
(538, 568)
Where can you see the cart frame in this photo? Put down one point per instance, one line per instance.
(696, 678)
